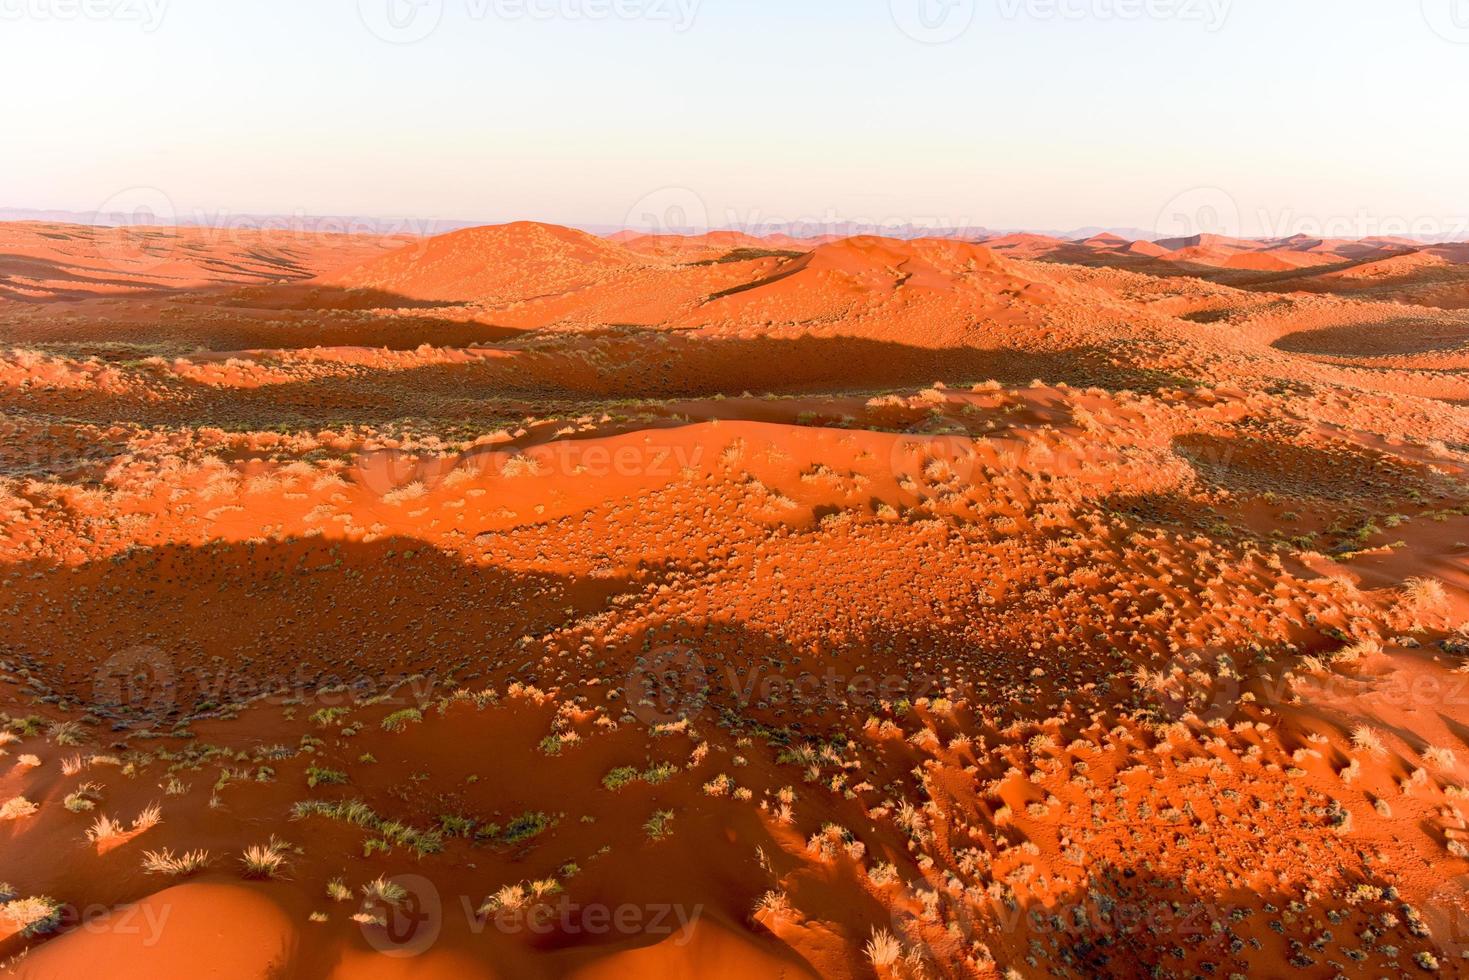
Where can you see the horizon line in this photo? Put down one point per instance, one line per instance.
(422, 227)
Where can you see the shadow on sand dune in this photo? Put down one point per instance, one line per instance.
(655, 364)
(624, 364)
(166, 632)
(83, 284)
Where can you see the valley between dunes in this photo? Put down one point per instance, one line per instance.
(521, 603)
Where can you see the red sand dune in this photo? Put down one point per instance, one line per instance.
(522, 603)
(501, 264)
(1212, 243)
(48, 261)
(1149, 249)
(1023, 245)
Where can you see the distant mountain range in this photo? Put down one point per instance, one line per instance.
(440, 226)
(319, 223)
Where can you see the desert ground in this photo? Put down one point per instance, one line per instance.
(525, 603)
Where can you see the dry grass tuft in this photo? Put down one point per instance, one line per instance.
(774, 904)
(32, 916)
(883, 949)
(384, 891)
(264, 860)
(148, 819)
(165, 863)
(1440, 758)
(1365, 739)
(17, 808)
(104, 828)
(1425, 594)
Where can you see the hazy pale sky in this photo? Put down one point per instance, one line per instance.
(1258, 116)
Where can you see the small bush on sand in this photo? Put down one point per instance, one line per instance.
(774, 904)
(882, 949)
(359, 814)
(399, 720)
(104, 828)
(525, 826)
(1439, 758)
(659, 825)
(148, 819)
(319, 776)
(83, 798)
(32, 916)
(65, 733)
(1365, 739)
(384, 891)
(16, 808)
(264, 860)
(165, 863)
(1425, 594)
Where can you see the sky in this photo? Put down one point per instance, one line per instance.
(1259, 117)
